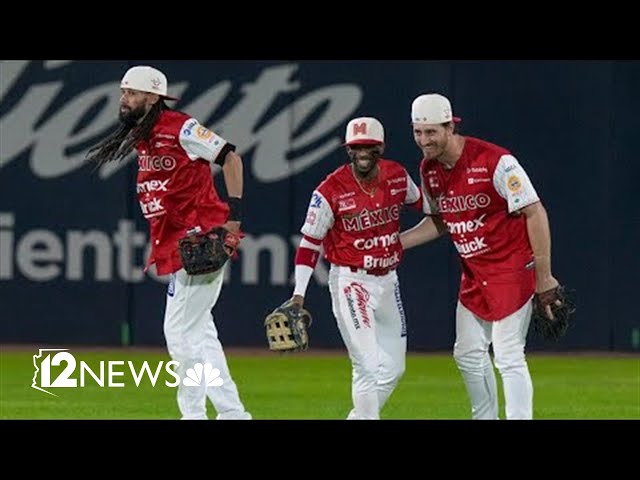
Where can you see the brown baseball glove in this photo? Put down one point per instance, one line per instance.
(287, 328)
(207, 252)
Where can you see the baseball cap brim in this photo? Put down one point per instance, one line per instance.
(453, 119)
(362, 142)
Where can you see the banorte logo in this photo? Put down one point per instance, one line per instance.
(42, 118)
(112, 373)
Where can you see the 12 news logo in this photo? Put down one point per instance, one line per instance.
(114, 373)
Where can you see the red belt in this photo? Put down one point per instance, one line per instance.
(376, 272)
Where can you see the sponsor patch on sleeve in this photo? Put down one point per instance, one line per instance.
(187, 131)
(514, 183)
(316, 200)
(203, 133)
(311, 218)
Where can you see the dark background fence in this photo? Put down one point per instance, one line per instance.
(73, 241)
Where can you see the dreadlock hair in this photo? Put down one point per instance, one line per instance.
(121, 142)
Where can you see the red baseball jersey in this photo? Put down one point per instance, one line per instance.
(175, 185)
(477, 200)
(358, 225)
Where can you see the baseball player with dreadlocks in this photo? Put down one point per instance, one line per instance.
(178, 198)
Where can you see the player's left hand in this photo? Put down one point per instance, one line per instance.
(552, 311)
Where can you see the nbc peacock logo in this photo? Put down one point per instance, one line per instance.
(202, 375)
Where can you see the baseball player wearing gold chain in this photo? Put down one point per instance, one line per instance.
(354, 214)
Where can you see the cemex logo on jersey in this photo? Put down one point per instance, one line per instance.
(152, 186)
(467, 226)
(49, 373)
(375, 242)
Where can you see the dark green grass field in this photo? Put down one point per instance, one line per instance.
(317, 386)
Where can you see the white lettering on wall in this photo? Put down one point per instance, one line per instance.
(42, 255)
(58, 134)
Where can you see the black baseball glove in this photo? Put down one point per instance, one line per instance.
(207, 252)
(287, 328)
(562, 306)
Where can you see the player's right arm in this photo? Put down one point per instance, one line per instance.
(318, 222)
(430, 227)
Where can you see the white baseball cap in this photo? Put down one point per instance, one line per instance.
(433, 109)
(364, 131)
(146, 79)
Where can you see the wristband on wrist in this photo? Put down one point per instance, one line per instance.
(235, 209)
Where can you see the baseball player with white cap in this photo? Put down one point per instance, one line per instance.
(146, 79)
(501, 231)
(178, 197)
(354, 214)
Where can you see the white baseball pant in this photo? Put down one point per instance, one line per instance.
(370, 316)
(471, 353)
(192, 337)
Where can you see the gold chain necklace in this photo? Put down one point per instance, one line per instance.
(371, 193)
